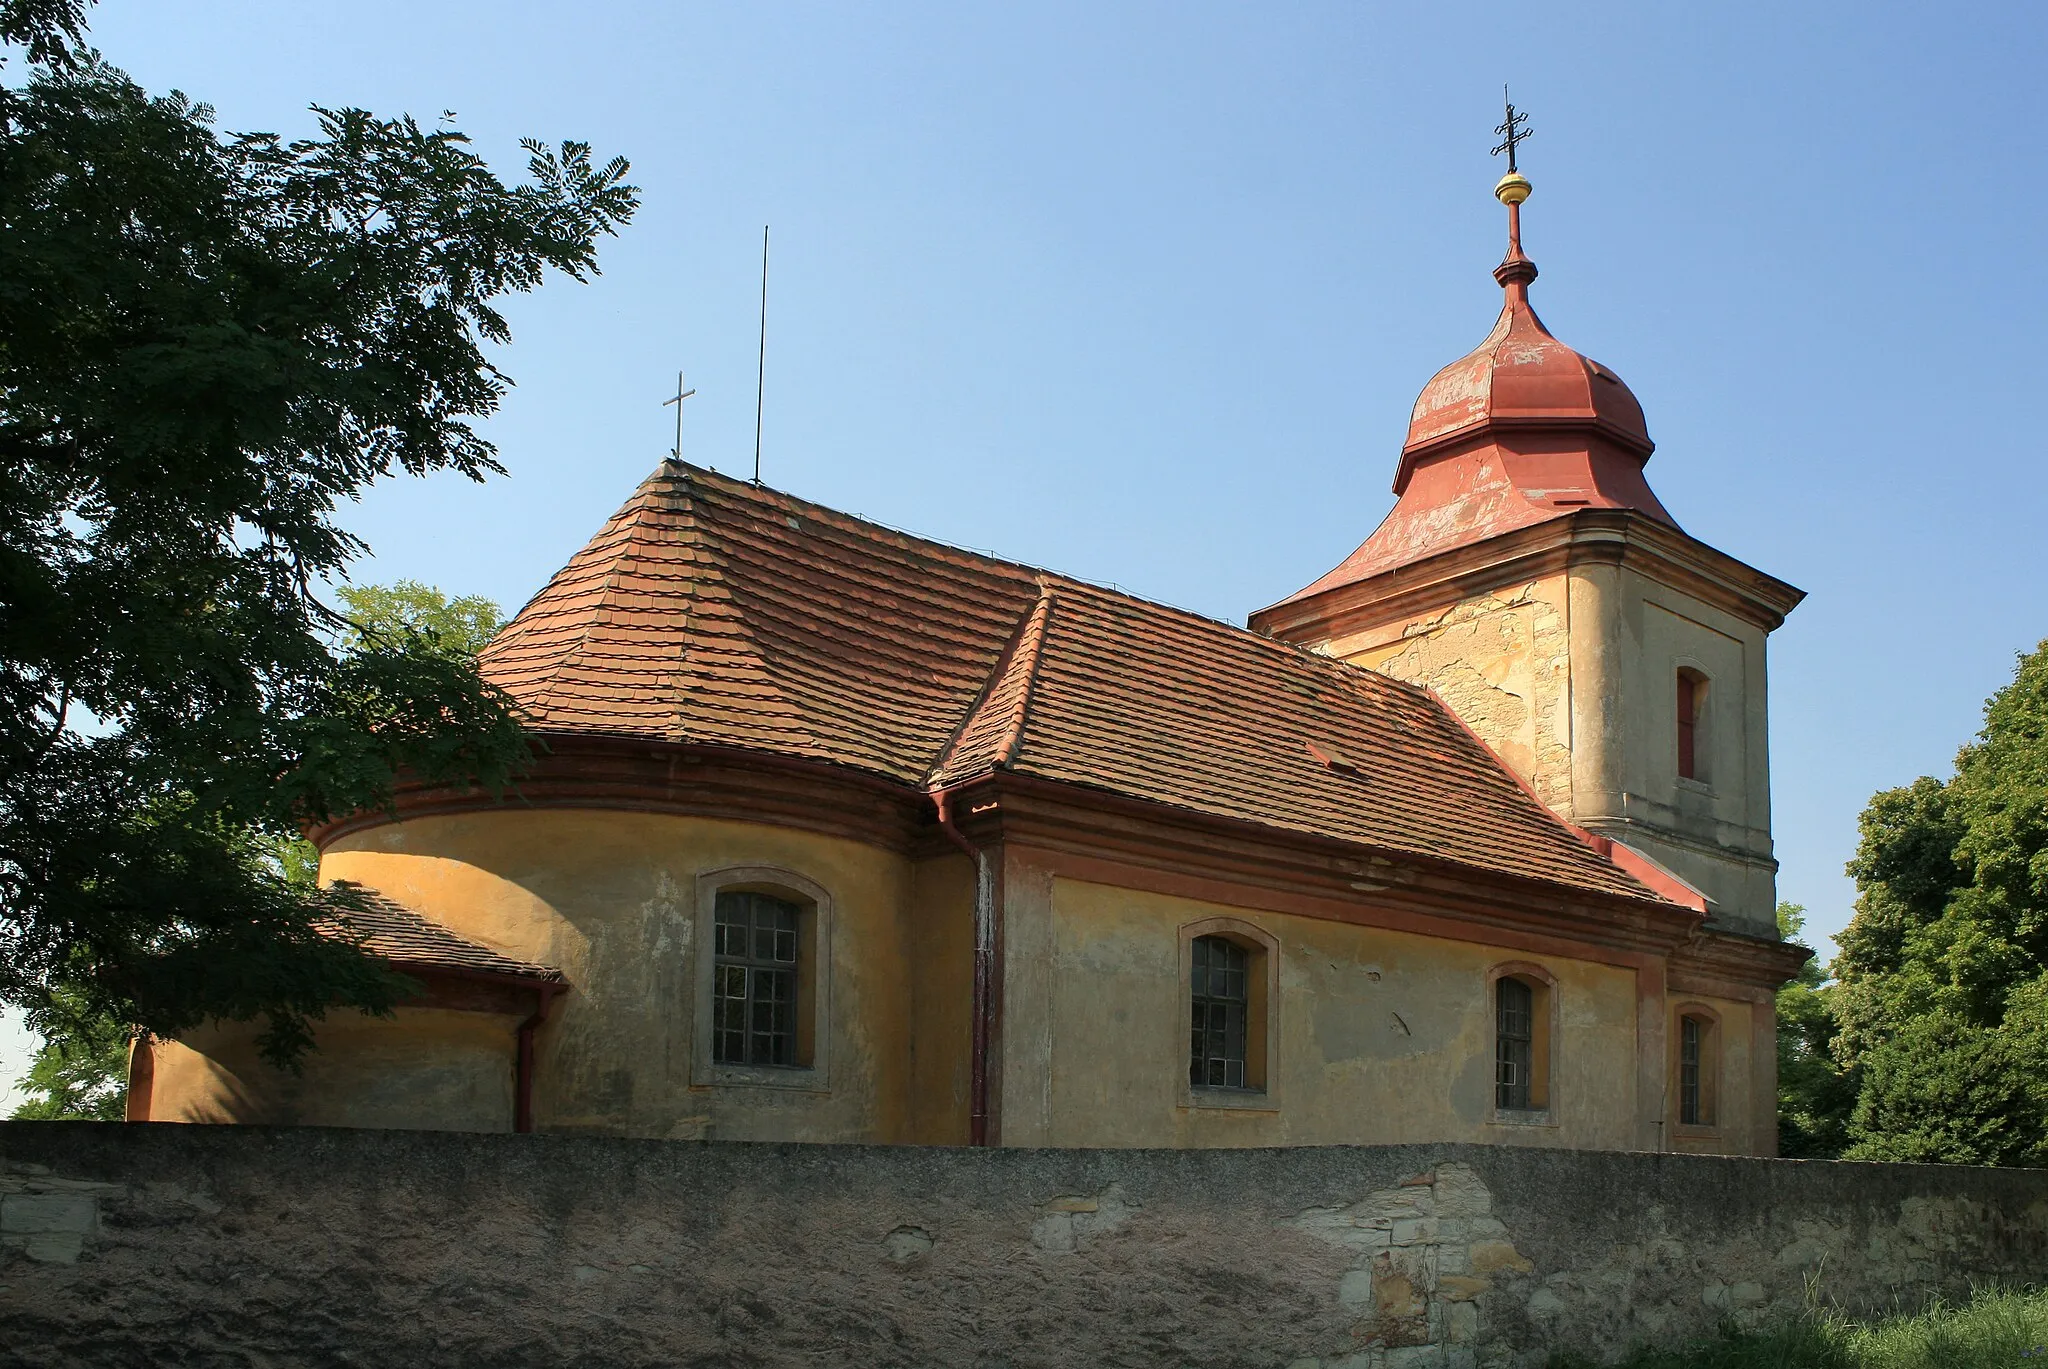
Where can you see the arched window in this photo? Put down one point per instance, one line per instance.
(1697, 1066)
(763, 1007)
(1522, 1001)
(1229, 974)
(1692, 713)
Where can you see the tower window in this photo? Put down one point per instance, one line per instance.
(754, 980)
(1692, 700)
(1220, 994)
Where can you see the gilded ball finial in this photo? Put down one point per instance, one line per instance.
(1512, 188)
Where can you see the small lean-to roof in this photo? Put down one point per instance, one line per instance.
(394, 932)
(710, 610)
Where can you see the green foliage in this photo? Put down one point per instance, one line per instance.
(208, 344)
(388, 612)
(1942, 1000)
(420, 618)
(1996, 1329)
(82, 1076)
(1815, 1095)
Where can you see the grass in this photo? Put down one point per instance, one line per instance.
(2001, 1328)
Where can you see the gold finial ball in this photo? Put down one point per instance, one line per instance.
(1513, 188)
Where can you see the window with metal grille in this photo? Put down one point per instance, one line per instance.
(1691, 1031)
(1221, 994)
(1514, 1041)
(754, 980)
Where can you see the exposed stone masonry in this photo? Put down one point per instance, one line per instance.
(141, 1245)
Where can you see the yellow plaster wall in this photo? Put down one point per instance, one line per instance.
(1714, 831)
(610, 897)
(423, 1068)
(1383, 1036)
(1572, 680)
(941, 959)
(1737, 1128)
(1502, 661)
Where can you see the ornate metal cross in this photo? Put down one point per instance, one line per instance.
(680, 395)
(1512, 131)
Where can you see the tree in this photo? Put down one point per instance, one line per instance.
(461, 625)
(1943, 995)
(81, 1076)
(82, 1073)
(208, 343)
(1815, 1095)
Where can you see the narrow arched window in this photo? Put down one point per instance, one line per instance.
(1514, 1044)
(1220, 992)
(1689, 1034)
(1699, 1067)
(754, 980)
(1692, 701)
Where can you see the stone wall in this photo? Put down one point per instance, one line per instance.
(150, 1244)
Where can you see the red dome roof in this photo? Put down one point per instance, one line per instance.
(1518, 431)
(1521, 377)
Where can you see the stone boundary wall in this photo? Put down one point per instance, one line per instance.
(229, 1246)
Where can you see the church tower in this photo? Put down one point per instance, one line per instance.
(1529, 576)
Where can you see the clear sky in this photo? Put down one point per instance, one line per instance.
(1143, 292)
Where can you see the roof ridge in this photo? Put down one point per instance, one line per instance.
(1035, 630)
(747, 633)
(639, 506)
(746, 488)
(1045, 576)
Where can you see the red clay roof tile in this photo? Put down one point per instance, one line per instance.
(711, 610)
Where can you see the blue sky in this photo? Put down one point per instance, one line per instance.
(1144, 291)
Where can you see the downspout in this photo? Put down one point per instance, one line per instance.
(522, 1102)
(984, 970)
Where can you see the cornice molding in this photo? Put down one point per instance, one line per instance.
(1730, 965)
(1480, 433)
(1584, 537)
(1226, 861)
(582, 770)
(1086, 833)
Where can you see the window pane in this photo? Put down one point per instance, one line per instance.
(1514, 1037)
(1218, 1011)
(1689, 1071)
(754, 977)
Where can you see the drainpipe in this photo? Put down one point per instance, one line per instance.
(522, 1102)
(984, 969)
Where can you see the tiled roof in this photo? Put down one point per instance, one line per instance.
(711, 610)
(398, 934)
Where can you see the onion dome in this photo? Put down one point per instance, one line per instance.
(1518, 431)
(1521, 377)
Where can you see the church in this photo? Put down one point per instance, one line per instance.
(838, 834)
